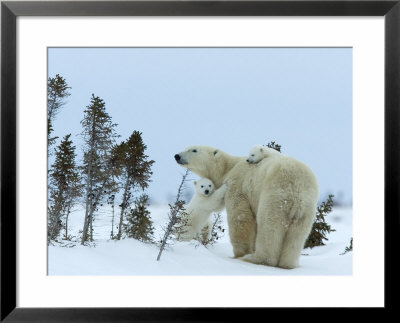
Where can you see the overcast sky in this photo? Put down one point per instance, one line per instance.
(229, 98)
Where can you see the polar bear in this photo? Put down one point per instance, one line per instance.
(258, 152)
(205, 201)
(270, 208)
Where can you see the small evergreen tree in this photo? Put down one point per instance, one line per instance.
(134, 170)
(274, 145)
(320, 228)
(139, 225)
(65, 188)
(216, 231)
(57, 92)
(176, 217)
(99, 136)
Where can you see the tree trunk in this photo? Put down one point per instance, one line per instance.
(112, 221)
(123, 208)
(89, 193)
(66, 219)
(55, 216)
(89, 232)
(89, 189)
(91, 227)
(86, 221)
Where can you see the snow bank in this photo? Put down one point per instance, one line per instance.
(131, 257)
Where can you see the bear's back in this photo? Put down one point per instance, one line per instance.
(274, 175)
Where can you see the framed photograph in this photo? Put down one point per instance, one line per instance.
(93, 199)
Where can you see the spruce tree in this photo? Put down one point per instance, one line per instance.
(320, 228)
(133, 169)
(99, 136)
(274, 145)
(65, 187)
(139, 225)
(57, 92)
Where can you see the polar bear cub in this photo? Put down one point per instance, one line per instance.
(258, 152)
(205, 201)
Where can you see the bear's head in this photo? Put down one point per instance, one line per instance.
(207, 162)
(256, 154)
(204, 187)
(198, 159)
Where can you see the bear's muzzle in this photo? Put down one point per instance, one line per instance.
(180, 160)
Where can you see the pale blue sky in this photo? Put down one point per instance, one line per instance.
(229, 98)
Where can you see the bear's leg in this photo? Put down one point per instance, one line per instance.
(242, 228)
(296, 236)
(271, 231)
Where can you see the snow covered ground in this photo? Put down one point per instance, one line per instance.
(131, 257)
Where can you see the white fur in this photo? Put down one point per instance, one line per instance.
(270, 208)
(205, 201)
(258, 152)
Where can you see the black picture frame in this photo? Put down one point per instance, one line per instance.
(10, 10)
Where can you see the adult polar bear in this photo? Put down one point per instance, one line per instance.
(270, 205)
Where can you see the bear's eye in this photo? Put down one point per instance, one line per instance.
(209, 185)
(194, 150)
(202, 186)
(252, 155)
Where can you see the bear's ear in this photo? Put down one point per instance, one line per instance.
(261, 150)
(215, 152)
(195, 183)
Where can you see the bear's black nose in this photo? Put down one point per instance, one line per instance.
(206, 191)
(177, 157)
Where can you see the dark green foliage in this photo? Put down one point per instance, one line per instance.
(138, 224)
(57, 91)
(130, 158)
(216, 231)
(65, 188)
(63, 171)
(133, 169)
(320, 228)
(99, 136)
(50, 140)
(275, 146)
(349, 248)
